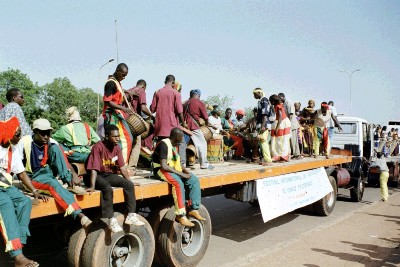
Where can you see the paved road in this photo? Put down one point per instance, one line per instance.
(348, 237)
(240, 238)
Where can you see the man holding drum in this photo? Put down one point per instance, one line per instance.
(114, 112)
(138, 102)
(195, 115)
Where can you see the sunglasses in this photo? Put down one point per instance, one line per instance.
(44, 133)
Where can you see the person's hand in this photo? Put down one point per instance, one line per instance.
(90, 190)
(184, 125)
(262, 130)
(185, 175)
(128, 111)
(37, 195)
(185, 171)
(132, 93)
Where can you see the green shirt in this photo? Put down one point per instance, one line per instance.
(75, 136)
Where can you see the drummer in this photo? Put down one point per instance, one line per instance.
(195, 114)
(138, 102)
(114, 112)
(237, 141)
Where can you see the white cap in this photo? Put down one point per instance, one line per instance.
(41, 124)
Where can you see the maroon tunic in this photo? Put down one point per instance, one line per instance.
(167, 104)
(104, 160)
(194, 109)
(139, 100)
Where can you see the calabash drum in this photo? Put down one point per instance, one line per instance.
(137, 124)
(148, 132)
(191, 154)
(206, 132)
(215, 151)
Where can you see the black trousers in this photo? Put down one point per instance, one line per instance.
(104, 183)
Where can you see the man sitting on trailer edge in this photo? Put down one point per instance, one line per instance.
(167, 167)
(104, 162)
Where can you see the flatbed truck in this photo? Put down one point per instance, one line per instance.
(163, 240)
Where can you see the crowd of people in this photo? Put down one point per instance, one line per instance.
(278, 131)
(386, 142)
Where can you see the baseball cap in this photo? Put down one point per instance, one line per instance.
(41, 124)
(240, 112)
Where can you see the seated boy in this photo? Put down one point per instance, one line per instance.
(104, 162)
(44, 163)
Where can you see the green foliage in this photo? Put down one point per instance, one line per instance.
(51, 100)
(248, 111)
(222, 102)
(12, 78)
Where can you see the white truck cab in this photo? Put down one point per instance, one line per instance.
(356, 135)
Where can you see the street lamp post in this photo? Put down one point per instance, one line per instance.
(98, 95)
(350, 74)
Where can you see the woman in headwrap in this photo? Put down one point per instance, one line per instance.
(280, 132)
(15, 207)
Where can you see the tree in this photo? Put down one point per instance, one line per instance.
(12, 78)
(222, 102)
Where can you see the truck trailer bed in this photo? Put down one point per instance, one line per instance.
(223, 174)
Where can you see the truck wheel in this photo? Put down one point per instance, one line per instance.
(154, 219)
(75, 245)
(357, 192)
(132, 247)
(183, 246)
(254, 203)
(325, 205)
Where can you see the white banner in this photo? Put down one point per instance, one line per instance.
(282, 194)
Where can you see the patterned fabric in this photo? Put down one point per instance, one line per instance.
(13, 109)
(280, 138)
(111, 116)
(320, 134)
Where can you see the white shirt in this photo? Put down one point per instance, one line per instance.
(16, 164)
(331, 123)
(216, 122)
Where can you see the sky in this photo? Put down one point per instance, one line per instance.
(221, 47)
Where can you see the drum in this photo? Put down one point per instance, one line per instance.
(191, 154)
(252, 140)
(206, 132)
(137, 124)
(148, 132)
(215, 152)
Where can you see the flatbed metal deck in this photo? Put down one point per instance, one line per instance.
(223, 174)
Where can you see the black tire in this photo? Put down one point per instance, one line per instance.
(135, 245)
(75, 245)
(357, 192)
(325, 205)
(183, 246)
(254, 203)
(154, 219)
